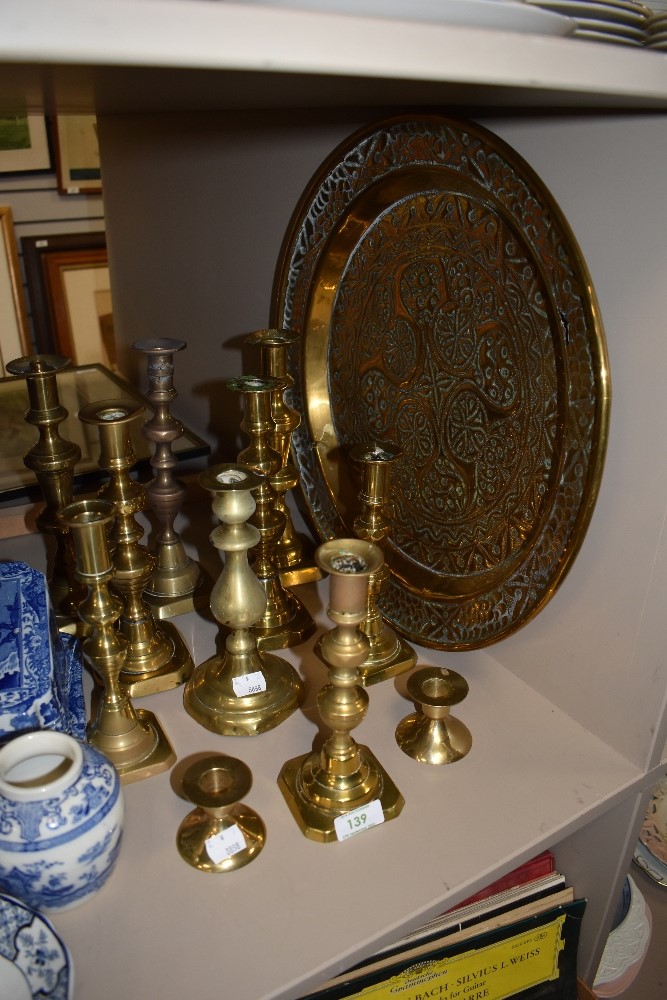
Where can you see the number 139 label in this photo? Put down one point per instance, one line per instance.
(358, 820)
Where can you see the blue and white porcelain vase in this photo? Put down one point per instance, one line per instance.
(61, 819)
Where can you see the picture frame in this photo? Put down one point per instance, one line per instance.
(24, 144)
(64, 274)
(77, 386)
(14, 329)
(78, 168)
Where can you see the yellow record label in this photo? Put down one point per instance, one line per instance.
(493, 972)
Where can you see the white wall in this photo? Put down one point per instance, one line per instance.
(197, 208)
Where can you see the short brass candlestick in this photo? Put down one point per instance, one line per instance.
(389, 654)
(133, 741)
(243, 692)
(177, 583)
(52, 460)
(293, 555)
(157, 658)
(431, 735)
(285, 621)
(321, 787)
(222, 833)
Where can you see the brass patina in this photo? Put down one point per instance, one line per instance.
(323, 785)
(431, 735)
(444, 304)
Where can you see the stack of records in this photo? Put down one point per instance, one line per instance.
(621, 22)
(656, 31)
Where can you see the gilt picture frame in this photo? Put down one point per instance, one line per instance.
(14, 330)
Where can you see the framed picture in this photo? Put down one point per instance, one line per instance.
(14, 338)
(70, 297)
(77, 154)
(24, 144)
(76, 387)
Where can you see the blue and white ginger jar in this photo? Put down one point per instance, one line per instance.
(61, 819)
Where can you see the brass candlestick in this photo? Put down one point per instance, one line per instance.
(293, 556)
(177, 583)
(221, 834)
(285, 621)
(321, 788)
(389, 654)
(243, 692)
(133, 741)
(432, 735)
(157, 658)
(52, 460)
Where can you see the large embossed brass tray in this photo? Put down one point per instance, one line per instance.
(444, 305)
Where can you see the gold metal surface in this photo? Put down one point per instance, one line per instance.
(219, 694)
(293, 555)
(52, 460)
(157, 657)
(285, 621)
(177, 584)
(389, 655)
(444, 304)
(431, 735)
(216, 784)
(321, 786)
(134, 741)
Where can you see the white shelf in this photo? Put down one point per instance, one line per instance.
(302, 910)
(130, 55)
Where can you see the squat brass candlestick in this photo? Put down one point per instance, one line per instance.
(177, 583)
(157, 658)
(221, 834)
(133, 741)
(431, 735)
(243, 692)
(285, 621)
(389, 654)
(293, 555)
(321, 787)
(52, 460)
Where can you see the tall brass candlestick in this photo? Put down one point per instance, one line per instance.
(389, 654)
(285, 621)
(157, 658)
(293, 556)
(243, 692)
(133, 741)
(177, 583)
(323, 788)
(52, 460)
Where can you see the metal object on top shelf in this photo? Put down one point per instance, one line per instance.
(157, 657)
(285, 621)
(440, 312)
(242, 692)
(293, 555)
(431, 735)
(325, 787)
(389, 654)
(133, 740)
(177, 584)
(52, 460)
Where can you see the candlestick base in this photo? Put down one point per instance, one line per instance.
(174, 671)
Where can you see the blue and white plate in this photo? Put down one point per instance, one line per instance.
(41, 668)
(34, 962)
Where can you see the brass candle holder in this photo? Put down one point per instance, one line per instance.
(157, 657)
(322, 788)
(177, 584)
(431, 735)
(293, 555)
(389, 654)
(243, 692)
(133, 741)
(285, 621)
(221, 834)
(52, 459)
